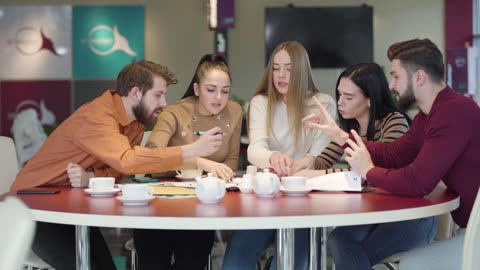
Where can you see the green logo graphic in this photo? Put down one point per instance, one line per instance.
(104, 42)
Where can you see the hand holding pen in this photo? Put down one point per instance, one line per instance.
(206, 144)
(200, 133)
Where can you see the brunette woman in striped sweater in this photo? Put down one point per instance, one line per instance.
(365, 105)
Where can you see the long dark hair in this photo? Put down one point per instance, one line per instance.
(207, 62)
(369, 77)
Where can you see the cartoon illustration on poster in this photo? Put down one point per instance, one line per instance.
(30, 110)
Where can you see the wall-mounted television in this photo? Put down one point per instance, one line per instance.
(334, 37)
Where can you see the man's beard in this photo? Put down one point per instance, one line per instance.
(406, 100)
(143, 116)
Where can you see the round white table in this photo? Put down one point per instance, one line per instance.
(236, 211)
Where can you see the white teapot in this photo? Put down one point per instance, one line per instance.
(266, 184)
(210, 189)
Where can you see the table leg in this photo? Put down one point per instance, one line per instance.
(313, 260)
(323, 258)
(82, 247)
(285, 248)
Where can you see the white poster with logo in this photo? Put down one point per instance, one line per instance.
(35, 42)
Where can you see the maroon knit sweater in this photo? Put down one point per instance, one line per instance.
(443, 145)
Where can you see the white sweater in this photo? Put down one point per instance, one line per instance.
(281, 140)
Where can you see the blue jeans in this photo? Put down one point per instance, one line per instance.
(246, 247)
(363, 246)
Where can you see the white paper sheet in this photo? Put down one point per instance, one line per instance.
(187, 184)
(340, 181)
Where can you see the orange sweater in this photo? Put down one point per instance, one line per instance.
(99, 138)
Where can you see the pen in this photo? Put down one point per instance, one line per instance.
(200, 133)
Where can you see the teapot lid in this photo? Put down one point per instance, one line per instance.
(266, 172)
(210, 177)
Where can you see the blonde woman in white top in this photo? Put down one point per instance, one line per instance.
(283, 97)
(279, 141)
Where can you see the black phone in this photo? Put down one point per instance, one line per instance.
(364, 190)
(38, 191)
(368, 189)
(233, 189)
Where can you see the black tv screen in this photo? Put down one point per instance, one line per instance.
(334, 37)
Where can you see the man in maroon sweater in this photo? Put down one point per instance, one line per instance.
(442, 144)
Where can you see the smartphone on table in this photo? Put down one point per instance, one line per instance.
(38, 191)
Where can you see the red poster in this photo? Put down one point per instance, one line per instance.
(50, 101)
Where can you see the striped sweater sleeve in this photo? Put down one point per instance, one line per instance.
(392, 127)
(328, 157)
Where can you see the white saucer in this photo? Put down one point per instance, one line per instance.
(102, 193)
(144, 201)
(179, 176)
(210, 201)
(266, 196)
(302, 192)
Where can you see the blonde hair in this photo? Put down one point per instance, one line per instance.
(300, 87)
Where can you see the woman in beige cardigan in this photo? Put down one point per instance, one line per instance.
(205, 105)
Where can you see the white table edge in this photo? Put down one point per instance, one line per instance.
(242, 223)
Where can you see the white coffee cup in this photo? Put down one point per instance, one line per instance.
(189, 173)
(294, 182)
(136, 191)
(101, 183)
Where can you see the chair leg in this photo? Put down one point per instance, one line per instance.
(390, 266)
(219, 238)
(134, 260)
(209, 264)
(323, 248)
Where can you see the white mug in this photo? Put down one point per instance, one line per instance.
(101, 183)
(136, 191)
(189, 173)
